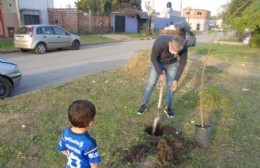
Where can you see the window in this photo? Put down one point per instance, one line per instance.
(39, 30)
(10, 31)
(199, 13)
(23, 30)
(47, 30)
(58, 31)
(31, 19)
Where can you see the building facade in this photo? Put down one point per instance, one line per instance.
(8, 18)
(166, 18)
(134, 22)
(198, 19)
(22, 12)
(34, 11)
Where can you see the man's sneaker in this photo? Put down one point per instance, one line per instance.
(142, 109)
(168, 112)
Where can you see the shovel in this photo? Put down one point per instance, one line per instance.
(157, 118)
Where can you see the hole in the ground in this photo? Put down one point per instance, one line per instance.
(158, 132)
(167, 144)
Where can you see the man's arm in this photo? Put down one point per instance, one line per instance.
(155, 56)
(183, 55)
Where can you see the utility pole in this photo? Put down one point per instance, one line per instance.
(18, 12)
(89, 21)
(181, 7)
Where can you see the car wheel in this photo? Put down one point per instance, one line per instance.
(40, 48)
(75, 45)
(5, 87)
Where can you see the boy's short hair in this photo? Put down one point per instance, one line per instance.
(81, 113)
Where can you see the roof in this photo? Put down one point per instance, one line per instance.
(133, 12)
(143, 15)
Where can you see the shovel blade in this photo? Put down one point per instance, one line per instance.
(155, 123)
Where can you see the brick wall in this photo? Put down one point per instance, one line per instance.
(94, 24)
(66, 18)
(78, 22)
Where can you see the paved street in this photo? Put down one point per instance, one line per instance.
(61, 66)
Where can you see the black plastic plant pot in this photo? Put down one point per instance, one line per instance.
(203, 136)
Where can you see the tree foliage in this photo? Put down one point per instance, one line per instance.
(105, 7)
(241, 14)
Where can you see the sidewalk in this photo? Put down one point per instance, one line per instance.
(229, 43)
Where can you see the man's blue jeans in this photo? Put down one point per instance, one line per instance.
(170, 71)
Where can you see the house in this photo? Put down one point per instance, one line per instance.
(34, 11)
(22, 12)
(166, 18)
(129, 21)
(8, 18)
(198, 19)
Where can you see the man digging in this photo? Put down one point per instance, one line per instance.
(168, 60)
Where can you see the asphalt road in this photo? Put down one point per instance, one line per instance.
(62, 66)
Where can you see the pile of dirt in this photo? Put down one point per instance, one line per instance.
(139, 64)
(167, 144)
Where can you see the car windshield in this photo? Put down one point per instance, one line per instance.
(23, 30)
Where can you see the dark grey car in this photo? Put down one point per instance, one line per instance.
(191, 38)
(10, 77)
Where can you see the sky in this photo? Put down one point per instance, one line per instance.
(211, 5)
(159, 5)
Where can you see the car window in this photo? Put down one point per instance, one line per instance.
(59, 31)
(47, 30)
(23, 30)
(39, 30)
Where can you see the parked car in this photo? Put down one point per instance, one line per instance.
(191, 38)
(44, 37)
(10, 77)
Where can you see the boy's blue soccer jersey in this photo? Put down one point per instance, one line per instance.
(82, 149)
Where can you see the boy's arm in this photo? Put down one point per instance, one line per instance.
(94, 165)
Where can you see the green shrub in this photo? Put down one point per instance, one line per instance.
(255, 41)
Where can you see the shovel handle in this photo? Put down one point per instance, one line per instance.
(160, 96)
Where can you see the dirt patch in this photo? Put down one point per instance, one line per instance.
(245, 69)
(168, 145)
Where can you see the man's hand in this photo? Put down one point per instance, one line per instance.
(174, 85)
(162, 78)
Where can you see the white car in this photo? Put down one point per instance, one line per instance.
(10, 77)
(44, 37)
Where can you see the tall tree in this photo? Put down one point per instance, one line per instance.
(106, 6)
(97, 7)
(242, 14)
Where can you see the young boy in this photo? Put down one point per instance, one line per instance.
(75, 143)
